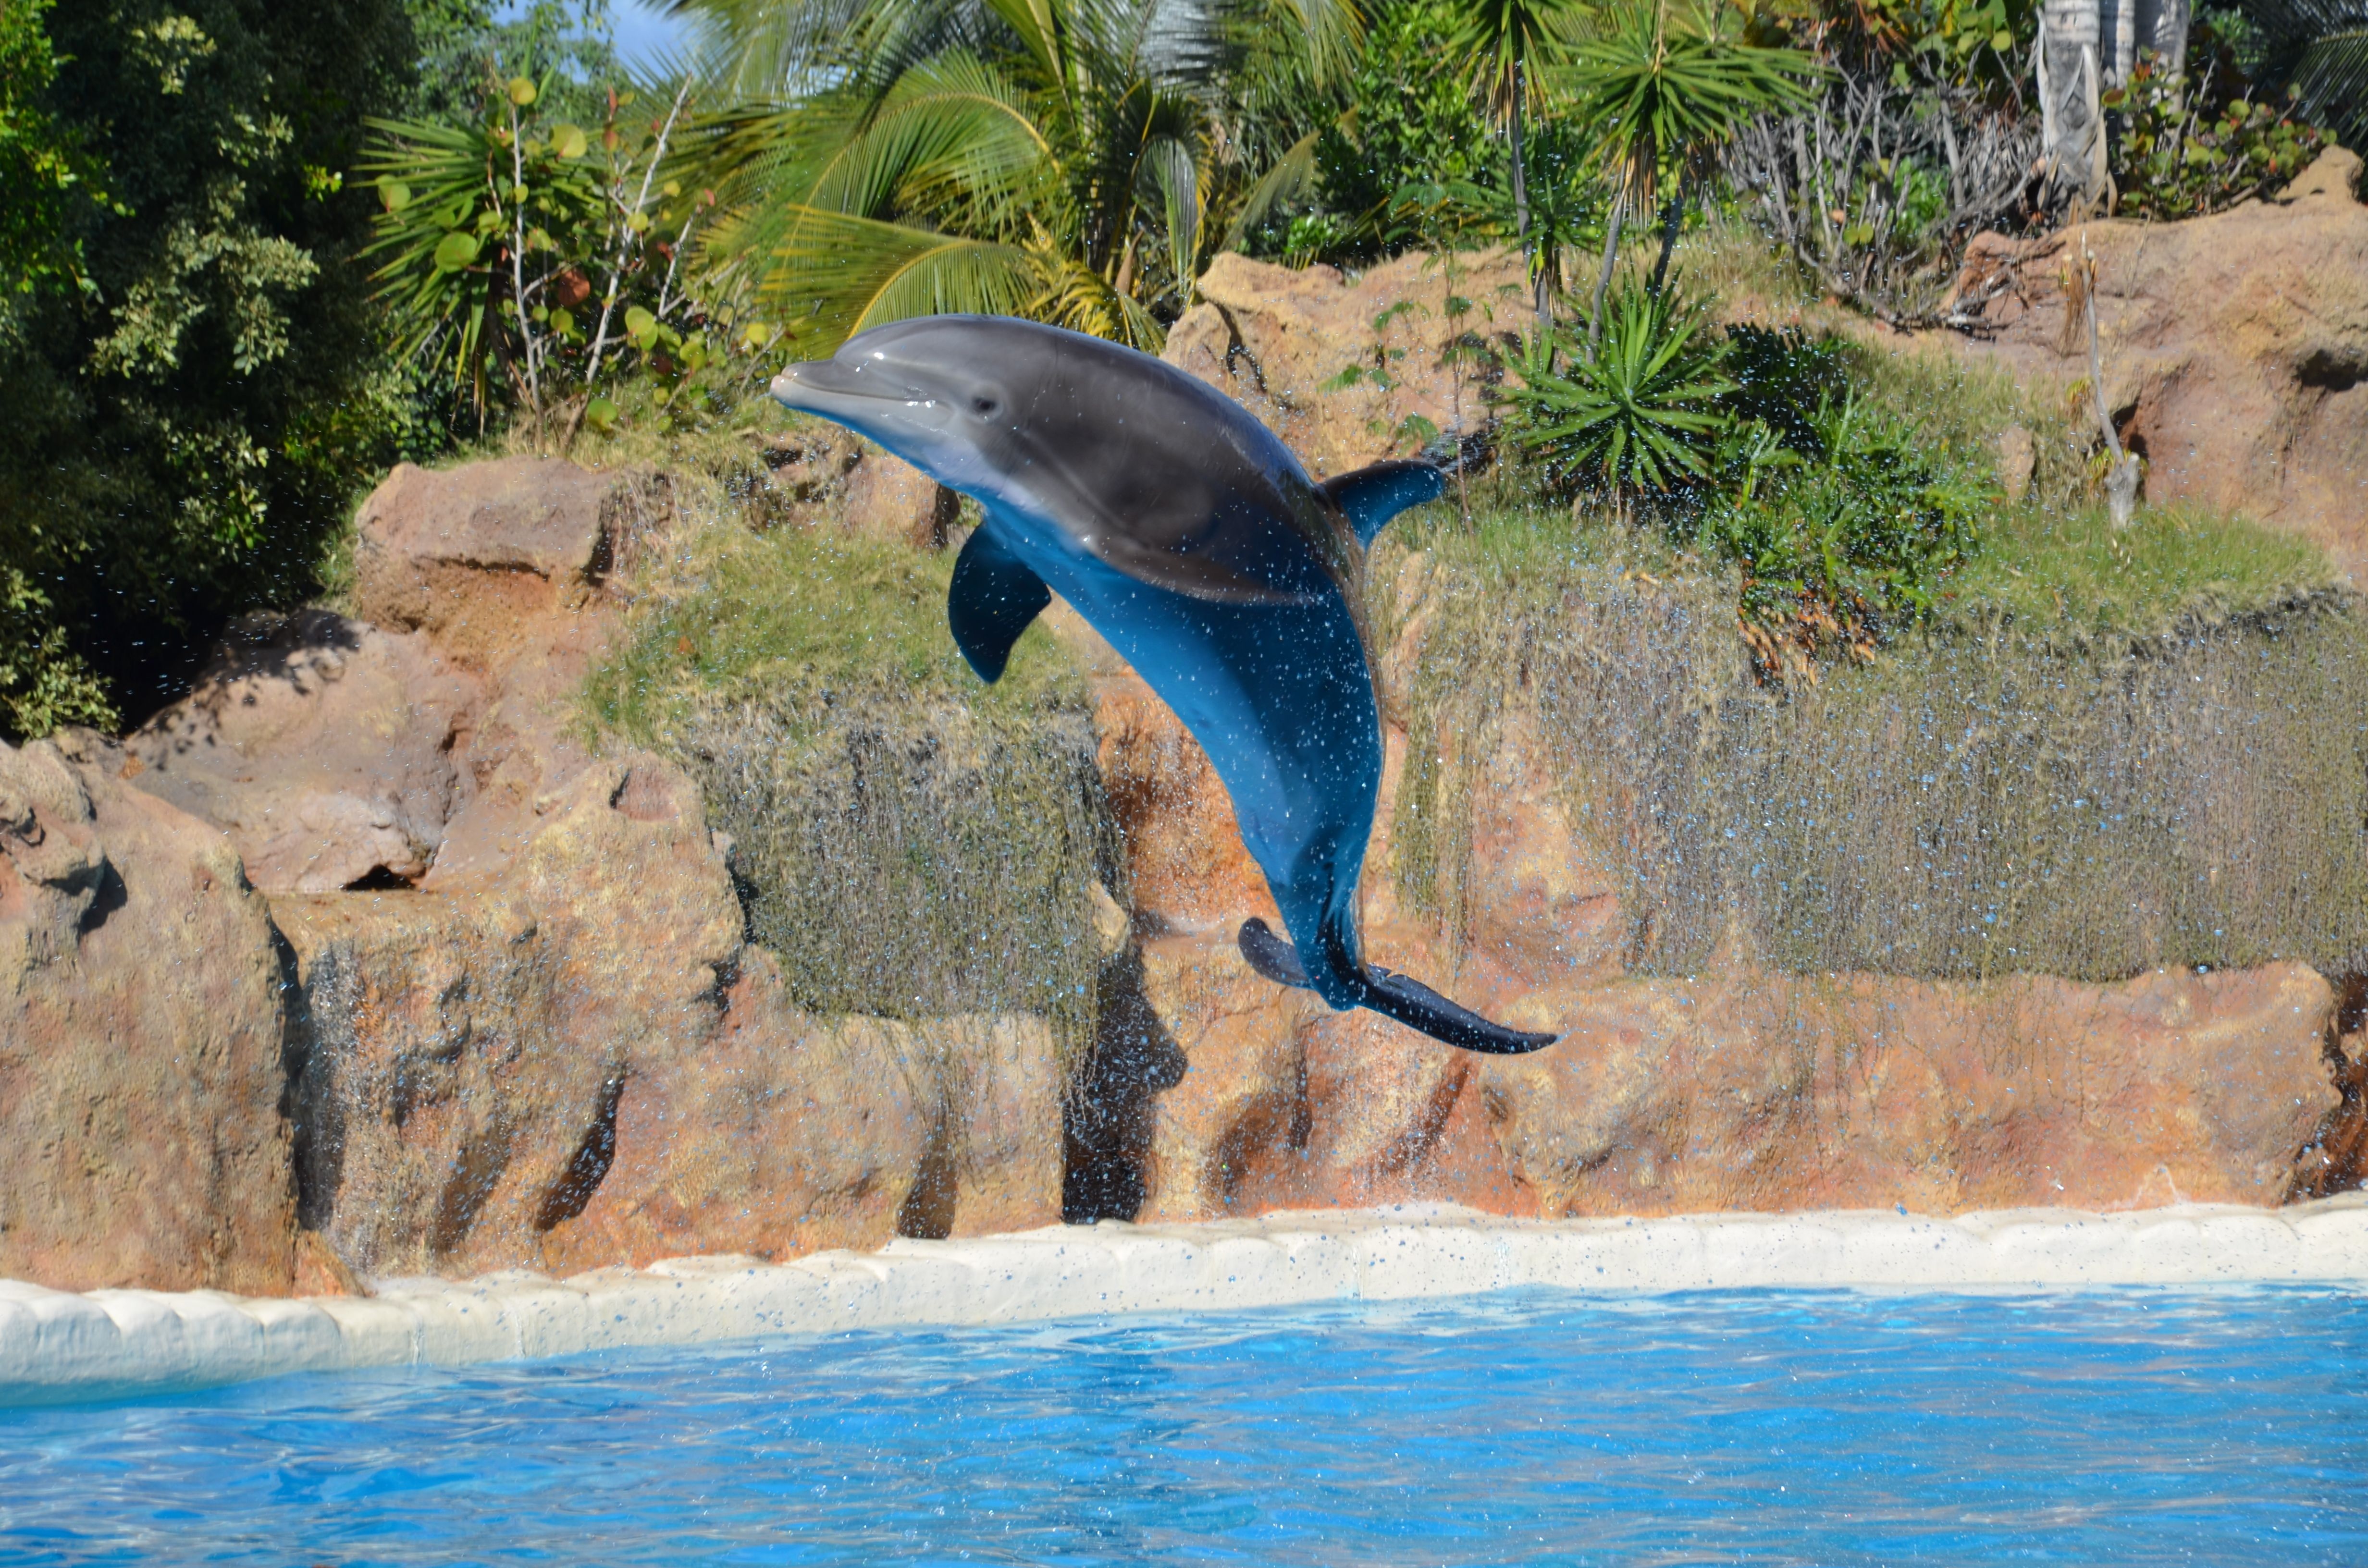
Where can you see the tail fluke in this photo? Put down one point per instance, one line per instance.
(1410, 1001)
(1418, 1007)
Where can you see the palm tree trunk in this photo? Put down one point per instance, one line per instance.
(1521, 198)
(2069, 35)
(1673, 218)
(1603, 278)
(2162, 27)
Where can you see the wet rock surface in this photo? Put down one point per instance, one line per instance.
(581, 1061)
(1739, 1088)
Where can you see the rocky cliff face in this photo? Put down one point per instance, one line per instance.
(1738, 1087)
(367, 961)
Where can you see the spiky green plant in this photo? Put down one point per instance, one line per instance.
(1643, 412)
(1659, 84)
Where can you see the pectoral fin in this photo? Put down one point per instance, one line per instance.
(1271, 955)
(1371, 496)
(994, 596)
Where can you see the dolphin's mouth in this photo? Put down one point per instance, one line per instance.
(823, 386)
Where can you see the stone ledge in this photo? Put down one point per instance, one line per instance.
(57, 1345)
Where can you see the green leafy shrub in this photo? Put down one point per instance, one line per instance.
(1844, 538)
(540, 259)
(1778, 453)
(195, 390)
(1409, 122)
(2188, 145)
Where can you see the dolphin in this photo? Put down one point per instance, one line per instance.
(1185, 534)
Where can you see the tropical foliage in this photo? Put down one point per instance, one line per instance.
(2317, 51)
(1765, 450)
(1843, 536)
(1073, 161)
(194, 385)
(1664, 83)
(1641, 413)
(2199, 141)
(1405, 123)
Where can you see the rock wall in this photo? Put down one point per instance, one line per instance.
(1350, 372)
(1737, 1089)
(495, 1004)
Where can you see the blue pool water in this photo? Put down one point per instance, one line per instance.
(2223, 1428)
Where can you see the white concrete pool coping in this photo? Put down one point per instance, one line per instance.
(61, 1345)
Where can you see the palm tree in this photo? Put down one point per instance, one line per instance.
(1656, 81)
(1507, 42)
(1065, 160)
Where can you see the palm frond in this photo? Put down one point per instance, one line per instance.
(2330, 83)
(834, 274)
(1174, 174)
(1659, 83)
(1284, 180)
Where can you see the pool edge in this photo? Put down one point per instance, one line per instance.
(58, 1345)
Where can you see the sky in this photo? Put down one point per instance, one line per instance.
(642, 32)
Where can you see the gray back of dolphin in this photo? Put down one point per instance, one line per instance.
(1191, 539)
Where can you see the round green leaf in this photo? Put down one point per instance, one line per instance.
(600, 414)
(568, 141)
(639, 325)
(456, 250)
(394, 192)
(522, 91)
(563, 321)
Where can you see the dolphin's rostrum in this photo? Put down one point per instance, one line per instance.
(1191, 539)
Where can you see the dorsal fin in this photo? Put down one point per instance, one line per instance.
(1371, 496)
(993, 598)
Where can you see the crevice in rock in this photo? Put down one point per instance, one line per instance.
(588, 1166)
(379, 878)
(2330, 370)
(927, 1212)
(1106, 1120)
(109, 896)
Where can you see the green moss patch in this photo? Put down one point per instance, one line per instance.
(911, 842)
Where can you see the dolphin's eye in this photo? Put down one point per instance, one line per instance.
(984, 406)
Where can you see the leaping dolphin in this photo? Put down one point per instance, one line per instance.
(1192, 540)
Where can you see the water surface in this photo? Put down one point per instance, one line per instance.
(2223, 1428)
